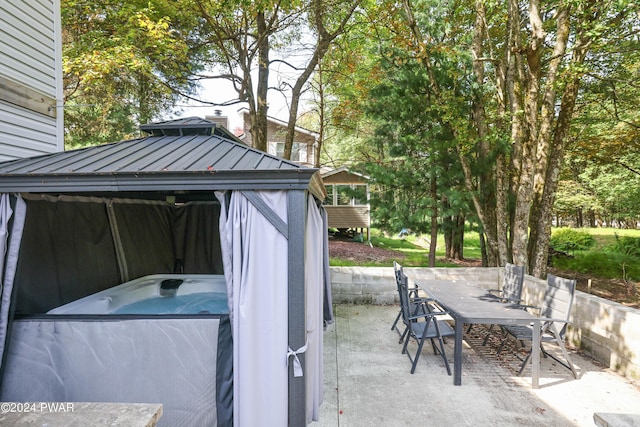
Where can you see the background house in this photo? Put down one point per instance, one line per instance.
(31, 120)
(347, 202)
(304, 142)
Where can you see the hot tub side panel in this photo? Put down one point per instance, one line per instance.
(173, 361)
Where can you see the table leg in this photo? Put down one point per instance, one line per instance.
(457, 354)
(535, 355)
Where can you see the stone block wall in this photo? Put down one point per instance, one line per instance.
(607, 331)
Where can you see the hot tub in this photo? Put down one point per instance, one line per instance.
(156, 294)
(163, 338)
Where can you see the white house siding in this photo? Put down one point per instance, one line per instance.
(25, 133)
(30, 78)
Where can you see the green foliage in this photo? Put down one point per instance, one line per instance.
(627, 245)
(613, 265)
(124, 64)
(602, 155)
(569, 239)
(607, 258)
(417, 169)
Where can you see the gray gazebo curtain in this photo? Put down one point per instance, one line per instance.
(314, 294)
(11, 226)
(255, 257)
(255, 268)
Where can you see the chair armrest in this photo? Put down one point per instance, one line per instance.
(545, 322)
(413, 291)
(428, 314)
(533, 307)
(519, 303)
(549, 320)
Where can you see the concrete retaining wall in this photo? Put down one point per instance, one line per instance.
(607, 331)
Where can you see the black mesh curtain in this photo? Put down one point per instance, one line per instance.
(146, 236)
(67, 252)
(197, 238)
(69, 246)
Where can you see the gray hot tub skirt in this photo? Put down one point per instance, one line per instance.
(183, 363)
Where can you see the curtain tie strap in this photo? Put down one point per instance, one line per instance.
(297, 366)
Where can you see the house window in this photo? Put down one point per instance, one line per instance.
(343, 193)
(359, 195)
(346, 195)
(329, 199)
(296, 151)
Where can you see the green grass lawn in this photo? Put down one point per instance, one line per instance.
(600, 261)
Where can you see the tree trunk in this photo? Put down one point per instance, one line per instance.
(144, 113)
(483, 250)
(524, 107)
(488, 199)
(433, 245)
(544, 146)
(541, 224)
(458, 237)
(321, 118)
(325, 38)
(259, 128)
(447, 232)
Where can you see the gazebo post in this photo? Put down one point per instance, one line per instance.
(296, 220)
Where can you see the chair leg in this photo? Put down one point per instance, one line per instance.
(524, 363)
(395, 322)
(417, 356)
(402, 335)
(406, 342)
(433, 345)
(568, 364)
(484, 342)
(444, 356)
(504, 341)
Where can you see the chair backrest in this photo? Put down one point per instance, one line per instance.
(403, 291)
(558, 299)
(513, 278)
(397, 269)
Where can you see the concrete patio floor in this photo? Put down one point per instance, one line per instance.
(367, 383)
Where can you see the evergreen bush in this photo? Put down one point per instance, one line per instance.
(569, 239)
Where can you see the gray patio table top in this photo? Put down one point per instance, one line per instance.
(471, 304)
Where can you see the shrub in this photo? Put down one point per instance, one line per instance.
(627, 245)
(611, 266)
(566, 239)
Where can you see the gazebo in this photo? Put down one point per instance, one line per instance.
(81, 221)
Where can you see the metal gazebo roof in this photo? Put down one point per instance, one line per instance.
(185, 154)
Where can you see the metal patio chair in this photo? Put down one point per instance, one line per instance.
(512, 285)
(422, 323)
(414, 298)
(510, 293)
(555, 312)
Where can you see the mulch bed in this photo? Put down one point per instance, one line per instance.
(354, 251)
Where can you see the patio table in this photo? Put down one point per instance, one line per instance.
(470, 304)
